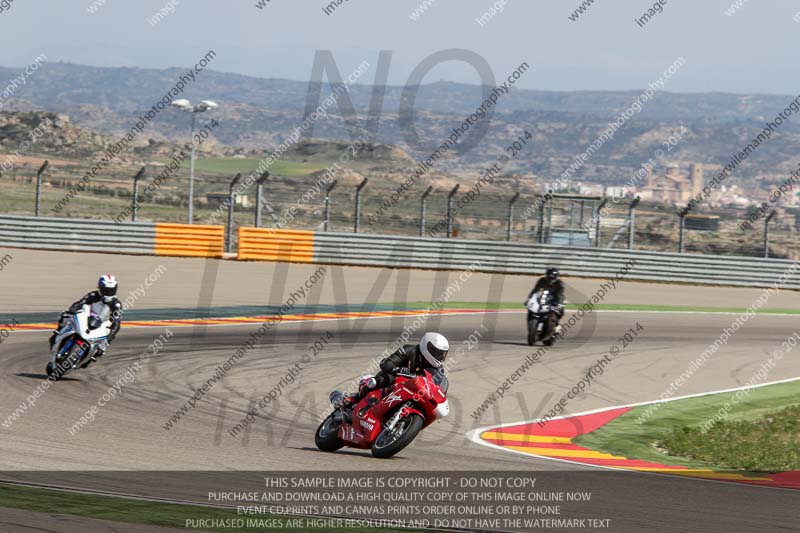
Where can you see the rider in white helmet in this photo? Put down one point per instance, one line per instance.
(106, 293)
(429, 354)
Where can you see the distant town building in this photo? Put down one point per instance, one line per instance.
(590, 189)
(672, 186)
(616, 192)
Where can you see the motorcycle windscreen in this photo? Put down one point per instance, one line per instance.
(441, 380)
(101, 310)
(544, 297)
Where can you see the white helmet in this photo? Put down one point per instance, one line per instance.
(434, 348)
(107, 286)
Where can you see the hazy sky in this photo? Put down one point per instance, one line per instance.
(752, 51)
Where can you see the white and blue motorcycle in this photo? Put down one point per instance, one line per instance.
(79, 339)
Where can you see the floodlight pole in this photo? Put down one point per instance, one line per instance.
(185, 105)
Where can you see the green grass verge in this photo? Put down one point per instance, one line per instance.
(768, 444)
(684, 308)
(133, 511)
(627, 437)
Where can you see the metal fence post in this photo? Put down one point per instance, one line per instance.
(632, 221)
(39, 186)
(231, 201)
(328, 204)
(682, 229)
(541, 218)
(450, 210)
(191, 175)
(571, 222)
(136, 179)
(511, 214)
(423, 202)
(259, 186)
(766, 233)
(600, 206)
(359, 188)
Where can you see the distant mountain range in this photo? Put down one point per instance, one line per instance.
(256, 114)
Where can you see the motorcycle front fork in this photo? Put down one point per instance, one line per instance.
(396, 417)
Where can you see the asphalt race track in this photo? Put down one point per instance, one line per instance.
(132, 436)
(128, 433)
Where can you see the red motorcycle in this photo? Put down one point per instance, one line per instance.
(386, 424)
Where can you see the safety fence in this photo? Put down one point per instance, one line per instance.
(511, 257)
(97, 236)
(283, 245)
(385, 251)
(347, 203)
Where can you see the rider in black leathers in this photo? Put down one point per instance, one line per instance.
(551, 282)
(429, 354)
(105, 293)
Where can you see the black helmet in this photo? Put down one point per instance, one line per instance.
(552, 274)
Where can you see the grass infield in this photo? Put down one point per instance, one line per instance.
(770, 443)
(762, 418)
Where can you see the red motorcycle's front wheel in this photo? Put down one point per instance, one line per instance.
(327, 436)
(390, 442)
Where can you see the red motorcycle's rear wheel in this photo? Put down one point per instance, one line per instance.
(391, 442)
(327, 435)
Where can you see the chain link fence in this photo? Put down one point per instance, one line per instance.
(299, 202)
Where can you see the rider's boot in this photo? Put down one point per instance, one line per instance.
(348, 401)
